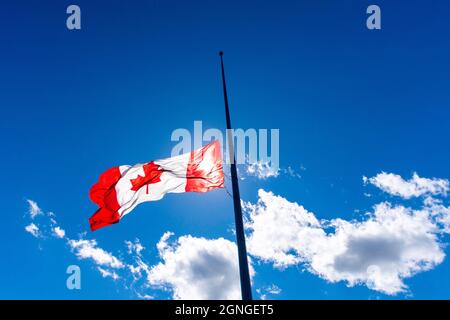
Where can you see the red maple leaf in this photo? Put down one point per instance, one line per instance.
(152, 174)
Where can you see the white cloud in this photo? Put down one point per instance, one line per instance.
(391, 244)
(291, 172)
(193, 268)
(33, 229)
(273, 289)
(107, 273)
(439, 212)
(197, 268)
(145, 296)
(88, 249)
(58, 232)
(33, 209)
(414, 187)
(139, 267)
(45, 226)
(105, 262)
(134, 247)
(269, 290)
(163, 244)
(82, 248)
(262, 170)
(277, 227)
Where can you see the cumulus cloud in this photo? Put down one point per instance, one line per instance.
(33, 229)
(392, 243)
(414, 187)
(197, 268)
(88, 249)
(33, 209)
(277, 227)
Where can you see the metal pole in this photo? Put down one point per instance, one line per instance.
(246, 289)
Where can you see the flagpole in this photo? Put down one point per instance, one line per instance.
(246, 289)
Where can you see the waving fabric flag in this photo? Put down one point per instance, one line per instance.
(120, 189)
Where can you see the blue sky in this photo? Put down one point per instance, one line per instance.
(349, 102)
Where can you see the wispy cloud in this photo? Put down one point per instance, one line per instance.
(33, 209)
(88, 249)
(108, 274)
(33, 229)
(264, 170)
(268, 292)
(134, 247)
(46, 227)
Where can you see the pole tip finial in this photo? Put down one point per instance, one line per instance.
(221, 53)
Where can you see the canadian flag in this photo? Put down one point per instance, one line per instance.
(120, 189)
